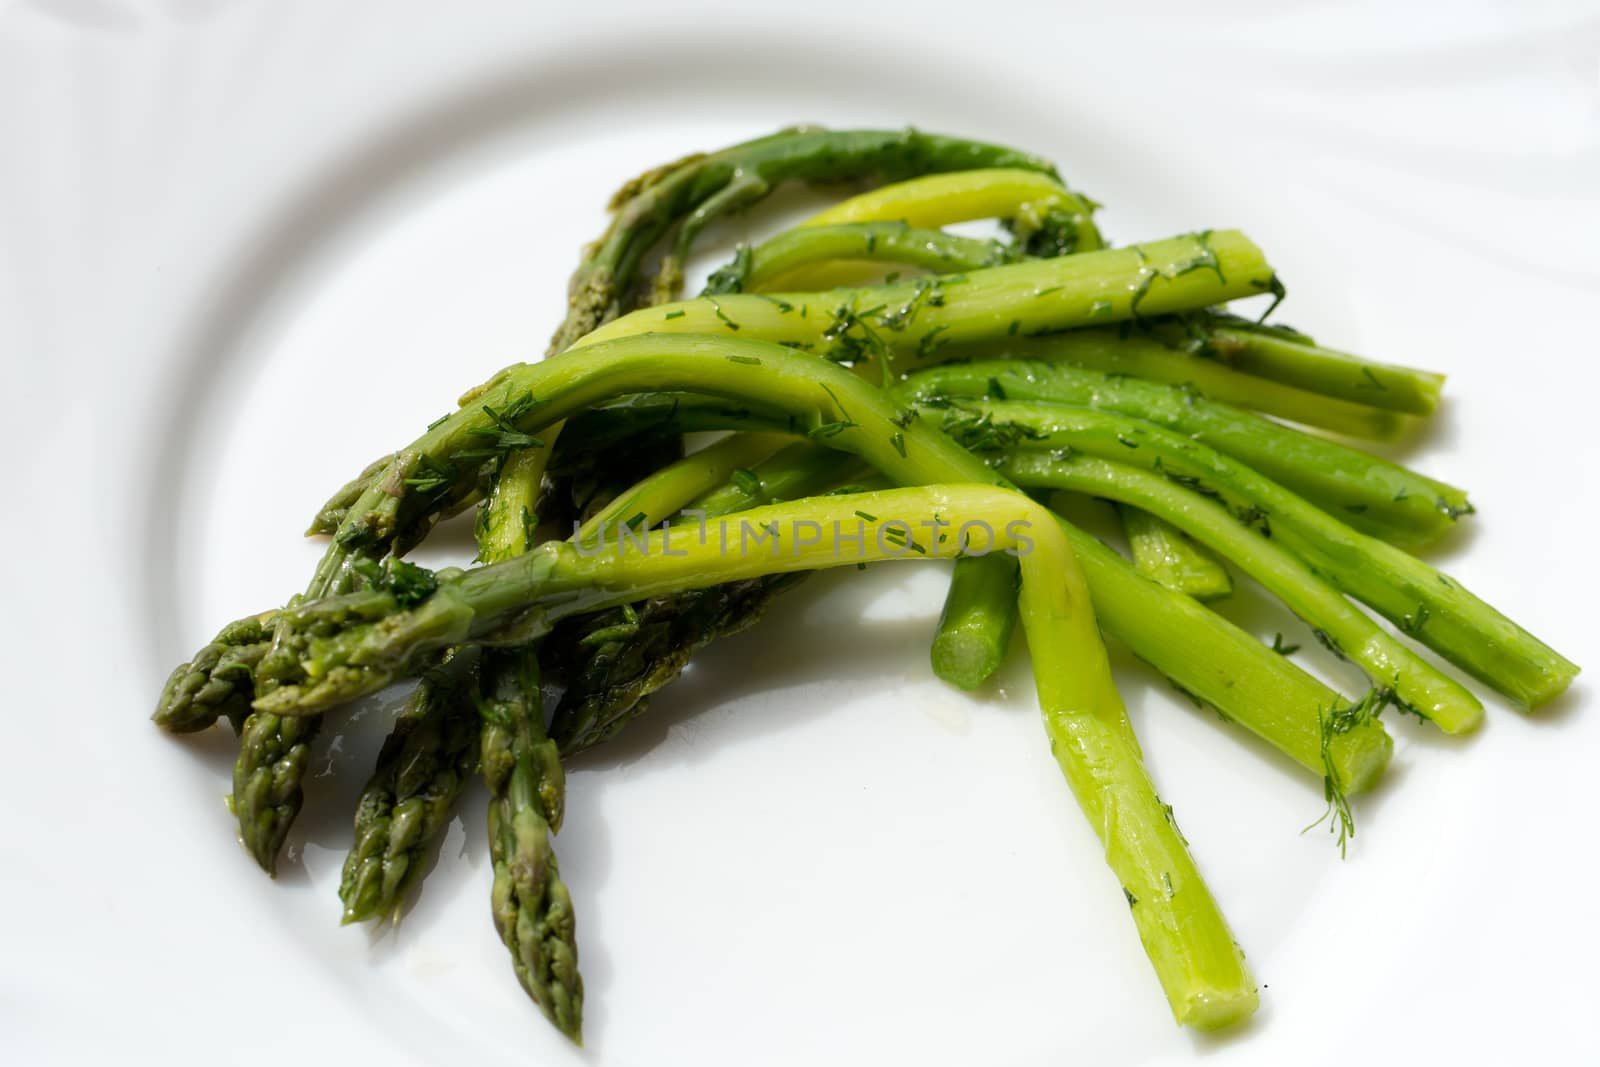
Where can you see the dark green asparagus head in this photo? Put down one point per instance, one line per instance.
(219, 681)
(424, 765)
(338, 649)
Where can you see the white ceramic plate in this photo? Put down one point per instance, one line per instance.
(246, 246)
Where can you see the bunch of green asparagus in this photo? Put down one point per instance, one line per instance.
(888, 391)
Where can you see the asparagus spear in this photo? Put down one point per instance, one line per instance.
(1373, 494)
(798, 470)
(669, 488)
(217, 682)
(778, 261)
(1049, 218)
(1137, 354)
(527, 787)
(274, 754)
(1417, 684)
(1166, 554)
(1424, 603)
(626, 654)
(871, 324)
(1288, 356)
(878, 226)
(691, 193)
(532, 908)
(423, 768)
(367, 642)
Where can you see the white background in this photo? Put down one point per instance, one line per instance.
(245, 246)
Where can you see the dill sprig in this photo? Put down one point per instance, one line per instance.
(504, 436)
(1336, 722)
(408, 583)
(977, 431)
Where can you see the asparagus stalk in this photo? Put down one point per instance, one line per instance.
(1417, 684)
(1137, 354)
(532, 907)
(691, 193)
(896, 223)
(875, 323)
(422, 769)
(975, 622)
(527, 787)
(1373, 494)
(1426, 604)
(1167, 555)
(1200, 967)
(801, 469)
(790, 258)
(1030, 200)
(623, 655)
(666, 491)
(1288, 356)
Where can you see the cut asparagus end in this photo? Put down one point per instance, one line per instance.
(975, 626)
(965, 659)
(1165, 553)
(1360, 757)
(1216, 1009)
(1557, 676)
